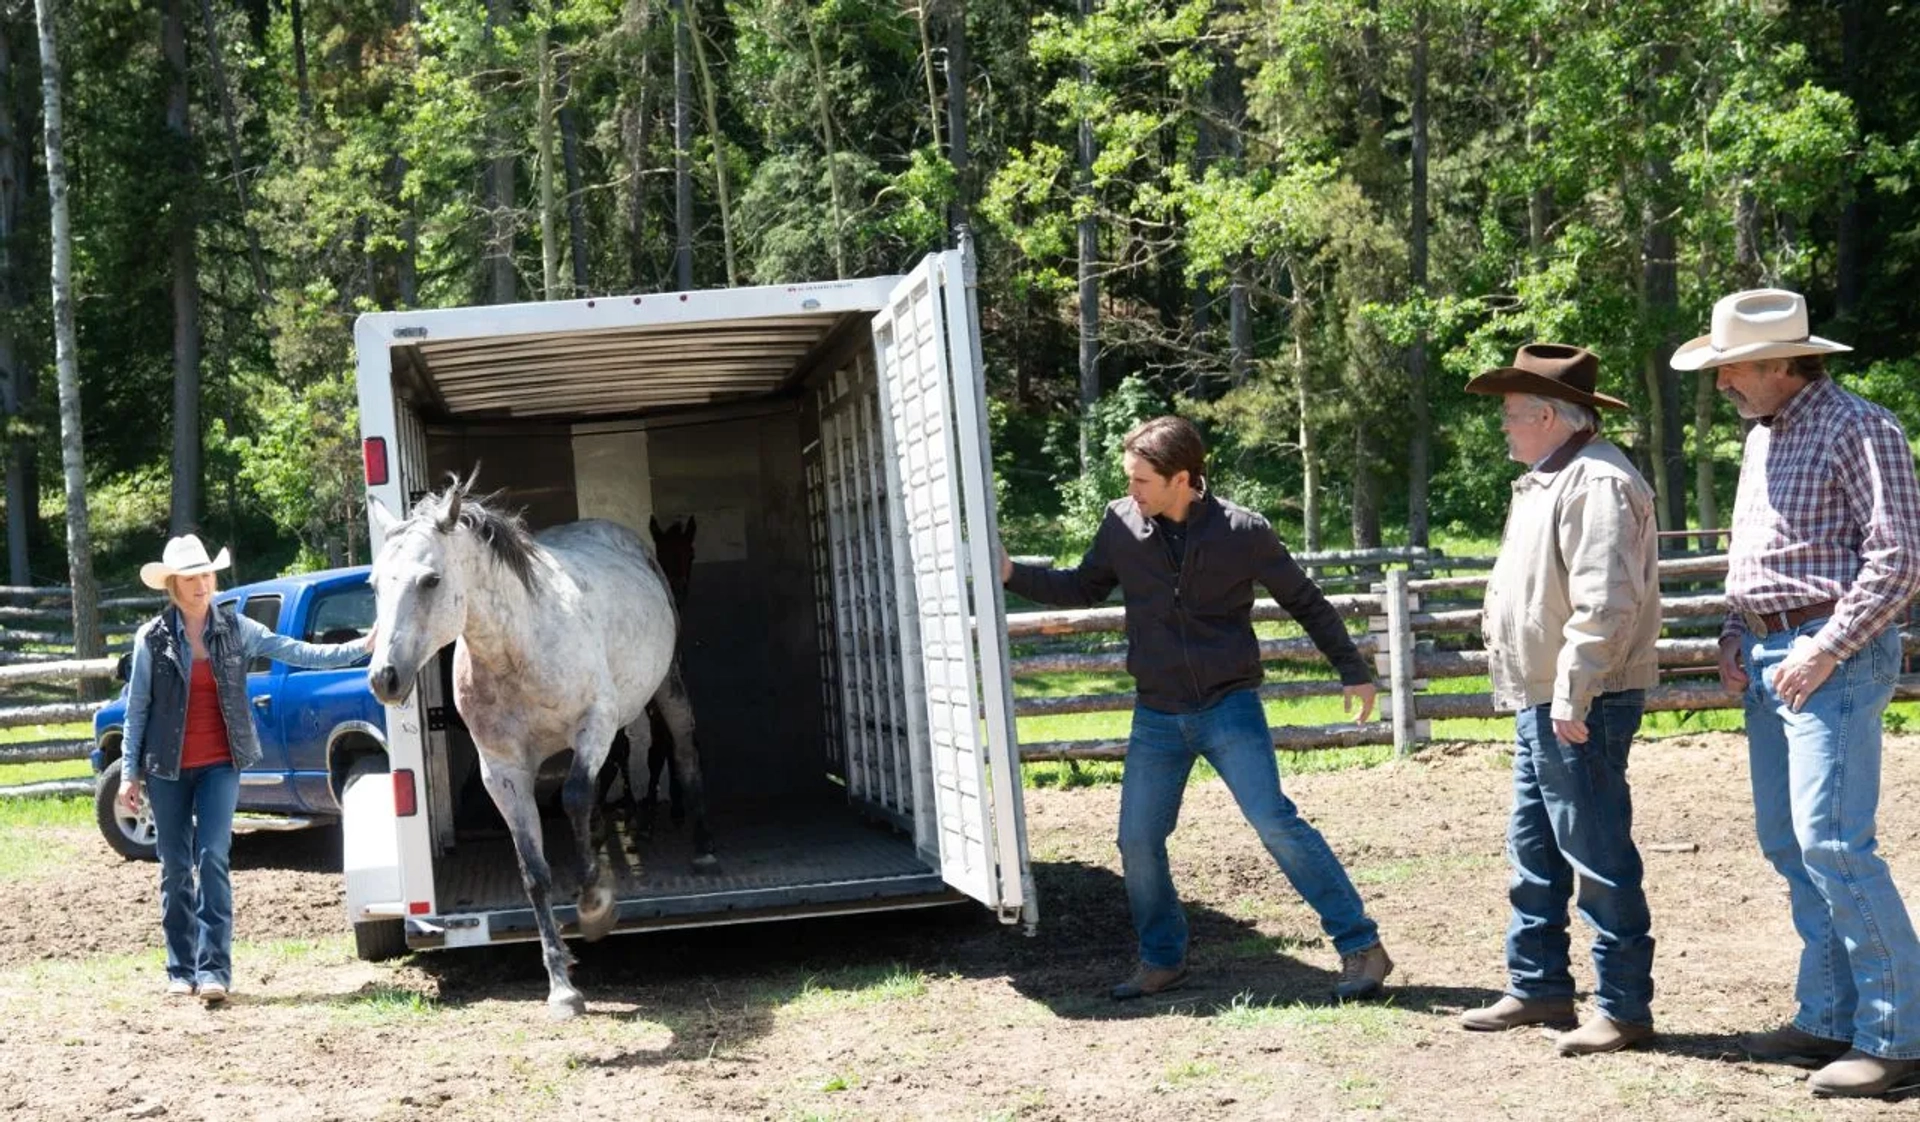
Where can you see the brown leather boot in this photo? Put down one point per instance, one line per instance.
(1858, 1075)
(1788, 1045)
(1601, 1034)
(1149, 980)
(1516, 1012)
(1363, 975)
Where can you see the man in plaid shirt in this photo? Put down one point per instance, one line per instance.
(1825, 557)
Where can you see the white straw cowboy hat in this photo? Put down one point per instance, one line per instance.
(1755, 324)
(183, 557)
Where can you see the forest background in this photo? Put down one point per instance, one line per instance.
(1304, 222)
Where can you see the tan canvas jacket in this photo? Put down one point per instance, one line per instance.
(1573, 605)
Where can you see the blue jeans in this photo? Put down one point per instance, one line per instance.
(193, 824)
(1573, 813)
(1816, 788)
(1234, 738)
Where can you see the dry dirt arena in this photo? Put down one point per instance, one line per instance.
(943, 1014)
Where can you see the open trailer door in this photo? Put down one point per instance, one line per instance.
(933, 398)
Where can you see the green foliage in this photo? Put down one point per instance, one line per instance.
(1086, 496)
(1249, 192)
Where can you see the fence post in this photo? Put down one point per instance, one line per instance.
(1401, 602)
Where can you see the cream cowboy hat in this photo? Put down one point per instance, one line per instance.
(183, 557)
(1759, 323)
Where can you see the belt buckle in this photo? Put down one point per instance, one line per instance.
(1761, 624)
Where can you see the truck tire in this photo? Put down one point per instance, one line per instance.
(374, 940)
(131, 836)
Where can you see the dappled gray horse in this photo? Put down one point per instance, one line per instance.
(559, 640)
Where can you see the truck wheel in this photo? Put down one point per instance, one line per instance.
(374, 940)
(378, 940)
(130, 835)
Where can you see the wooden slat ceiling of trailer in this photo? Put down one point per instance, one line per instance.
(621, 370)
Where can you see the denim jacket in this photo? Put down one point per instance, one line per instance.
(157, 685)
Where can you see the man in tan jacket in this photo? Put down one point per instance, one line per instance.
(1572, 615)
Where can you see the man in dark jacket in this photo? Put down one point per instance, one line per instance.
(1186, 562)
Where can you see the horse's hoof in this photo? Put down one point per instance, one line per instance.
(596, 914)
(706, 863)
(566, 1006)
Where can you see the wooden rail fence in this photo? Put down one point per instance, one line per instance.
(1401, 640)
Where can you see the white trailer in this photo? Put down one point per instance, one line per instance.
(843, 635)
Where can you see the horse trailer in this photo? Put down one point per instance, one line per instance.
(843, 632)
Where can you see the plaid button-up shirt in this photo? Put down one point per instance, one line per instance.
(1828, 509)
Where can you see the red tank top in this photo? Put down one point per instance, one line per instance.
(206, 739)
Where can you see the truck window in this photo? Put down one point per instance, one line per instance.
(341, 615)
(263, 610)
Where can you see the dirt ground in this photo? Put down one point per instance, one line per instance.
(944, 1014)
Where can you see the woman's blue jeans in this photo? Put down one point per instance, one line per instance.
(1233, 736)
(1573, 813)
(193, 824)
(1816, 791)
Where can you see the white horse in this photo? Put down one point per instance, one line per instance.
(559, 640)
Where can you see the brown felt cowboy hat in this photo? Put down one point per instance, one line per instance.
(1549, 370)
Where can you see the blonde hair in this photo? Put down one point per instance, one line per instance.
(173, 594)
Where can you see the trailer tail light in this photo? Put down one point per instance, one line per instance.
(405, 804)
(373, 451)
(419, 908)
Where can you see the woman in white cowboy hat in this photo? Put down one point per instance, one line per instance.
(189, 734)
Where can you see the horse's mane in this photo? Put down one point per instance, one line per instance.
(503, 532)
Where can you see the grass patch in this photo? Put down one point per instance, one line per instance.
(384, 1004)
(1269, 946)
(28, 853)
(72, 730)
(855, 987)
(1190, 1073)
(1399, 872)
(1368, 1021)
(838, 1081)
(289, 952)
(40, 771)
(40, 814)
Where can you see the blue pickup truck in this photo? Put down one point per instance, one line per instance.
(317, 727)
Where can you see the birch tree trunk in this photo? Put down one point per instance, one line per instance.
(296, 17)
(549, 220)
(230, 123)
(1089, 245)
(923, 18)
(636, 135)
(1419, 450)
(1302, 324)
(576, 193)
(682, 149)
(721, 193)
(502, 284)
(833, 163)
(19, 452)
(185, 514)
(86, 595)
(961, 216)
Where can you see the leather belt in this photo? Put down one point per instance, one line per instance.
(1762, 624)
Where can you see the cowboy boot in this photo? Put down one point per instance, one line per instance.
(1149, 980)
(1858, 1075)
(1516, 1012)
(1601, 1034)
